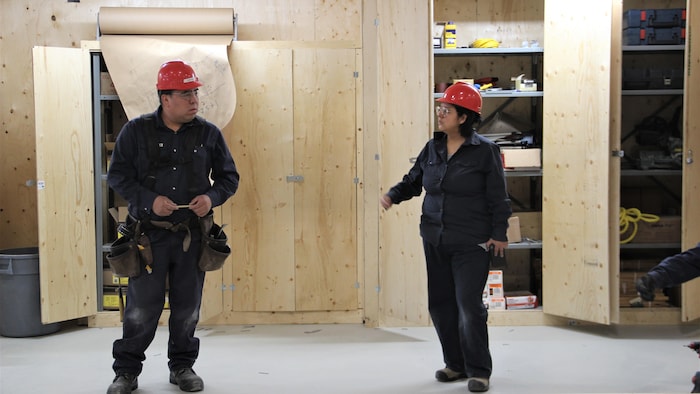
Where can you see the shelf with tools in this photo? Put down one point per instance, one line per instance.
(108, 116)
(512, 118)
(651, 176)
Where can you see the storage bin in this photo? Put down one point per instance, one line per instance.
(671, 17)
(653, 36)
(20, 303)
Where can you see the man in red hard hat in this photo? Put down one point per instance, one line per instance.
(465, 214)
(173, 167)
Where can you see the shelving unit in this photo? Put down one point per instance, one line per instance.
(522, 273)
(662, 187)
(104, 107)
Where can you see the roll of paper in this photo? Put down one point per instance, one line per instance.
(136, 41)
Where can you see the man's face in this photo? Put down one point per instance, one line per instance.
(182, 105)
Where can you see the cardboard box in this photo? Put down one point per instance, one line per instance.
(106, 85)
(110, 298)
(497, 304)
(493, 287)
(666, 230)
(109, 279)
(119, 214)
(494, 290)
(495, 277)
(438, 33)
(520, 300)
(518, 158)
(513, 233)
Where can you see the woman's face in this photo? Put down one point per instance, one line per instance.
(448, 118)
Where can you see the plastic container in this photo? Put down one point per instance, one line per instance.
(653, 36)
(672, 17)
(20, 304)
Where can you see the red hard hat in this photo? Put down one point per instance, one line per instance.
(177, 75)
(464, 95)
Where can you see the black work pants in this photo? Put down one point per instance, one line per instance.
(456, 278)
(145, 300)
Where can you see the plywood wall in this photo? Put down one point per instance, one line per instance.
(398, 67)
(27, 23)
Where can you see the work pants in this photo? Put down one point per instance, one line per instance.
(145, 300)
(456, 278)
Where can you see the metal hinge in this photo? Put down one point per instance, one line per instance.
(295, 178)
(355, 74)
(618, 153)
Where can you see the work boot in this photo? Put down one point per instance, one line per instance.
(447, 375)
(478, 385)
(123, 383)
(186, 379)
(645, 288)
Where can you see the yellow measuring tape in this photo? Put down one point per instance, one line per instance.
(633, 215)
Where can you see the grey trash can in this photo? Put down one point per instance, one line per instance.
(20, 305)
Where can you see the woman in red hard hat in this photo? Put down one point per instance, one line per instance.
(465, 212)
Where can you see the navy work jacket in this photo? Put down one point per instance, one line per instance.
(465, 196)
(187, 177)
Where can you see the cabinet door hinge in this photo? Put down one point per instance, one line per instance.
(618, 153)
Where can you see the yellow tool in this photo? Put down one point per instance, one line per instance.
(485, 43)
(148, 266)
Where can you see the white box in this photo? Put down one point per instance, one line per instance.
(495, 277)
(521, 158)
(520, 300)
(497, 304)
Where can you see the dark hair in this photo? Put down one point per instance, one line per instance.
(162, 92)
(469, 126)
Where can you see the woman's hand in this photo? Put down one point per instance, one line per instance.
(385, 201)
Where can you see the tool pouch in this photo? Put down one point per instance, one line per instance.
(124, 257)
(215, 251)
(131, 251)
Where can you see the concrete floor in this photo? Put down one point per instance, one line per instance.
(321, 359)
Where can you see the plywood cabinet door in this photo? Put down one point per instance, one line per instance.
(578, 260)
(293, 138)
(65, 195)
(690, 291)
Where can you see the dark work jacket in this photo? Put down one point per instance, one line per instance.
(677, 269)
(130, 162)
(465, 197)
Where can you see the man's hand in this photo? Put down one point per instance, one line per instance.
(499, 247)
(201, 205)
(163, 206)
